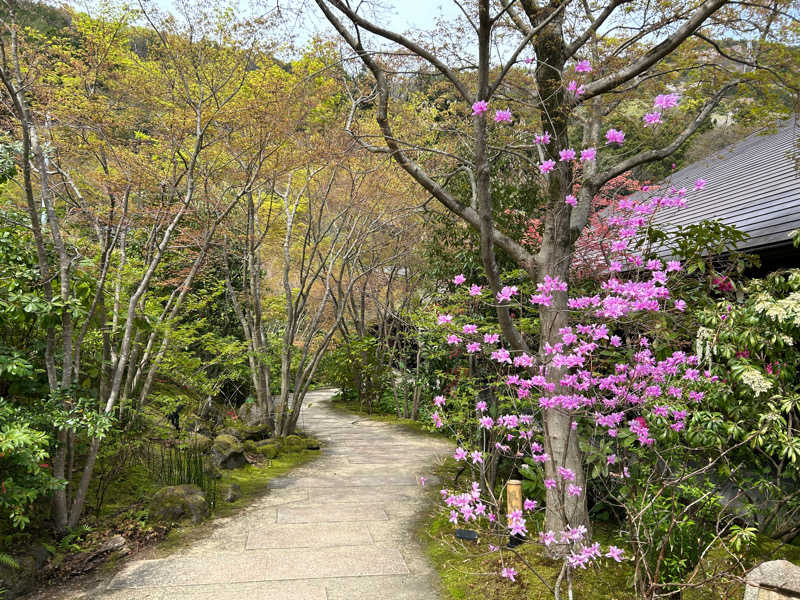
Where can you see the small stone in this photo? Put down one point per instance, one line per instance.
(232, 492)
(312, 444)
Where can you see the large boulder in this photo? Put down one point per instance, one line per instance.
(177, 503)
(773, 580)
(227, 452)
(254, 432)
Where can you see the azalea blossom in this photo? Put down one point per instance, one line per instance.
(502, 116)
(480, 107)
(439, 400)
(475, 290)
(666, 101)
(469, 329)
(459, 279)
(615, 136)
(547, 166)
(507, 292)
(491, 338)
(653, 118)
(443, 319)
(460, 454)
(453, 339)
(473, 347)
(542, 138)
(508, 573)
(583, 66)
(699, 184)
(571, 200)
(588, 154)
(615, 553)
(566, 155)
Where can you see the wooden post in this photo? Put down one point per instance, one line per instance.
(513, 497)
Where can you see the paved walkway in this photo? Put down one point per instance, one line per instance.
(339, 528)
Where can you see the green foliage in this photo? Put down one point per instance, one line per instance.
(25, 473)
(178, 466)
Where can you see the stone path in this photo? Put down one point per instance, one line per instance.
(339, 528)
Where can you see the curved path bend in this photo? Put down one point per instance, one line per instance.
(338, 528)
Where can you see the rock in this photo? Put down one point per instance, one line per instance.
(199, 441)
(268, 450)
(250, 446)
(232, 492)
(294, 443)
(312, 443)
(227, 452)
(232, 431)
(178, 502)
(254, 432)
(773, 580)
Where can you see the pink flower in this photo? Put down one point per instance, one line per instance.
(583, 66)
(680, 305)
(530, 59)
(588, 154)
(459, 279)
(475, 290)
(547, 166)
(615, 553)
(542, 138)
(699, 184)
(508, 573)
(501, 356)
(611, 459)
(566, 155)
(480, 107)
(502, 116)
(549, 483)
(653, 118)
(571, 200)
(443, 319)
(666, 101)
(576, 89)
(491, 338)
(506, 293)
(453, 339)
(439, 400)
(574, 490)
(547, 538)
(473, 347)
(567, 474)
(470, 329)
(453, 517)
(476, 457)
(480, 406)
(615, 137)
(460, 454)
(422, 481)
(529, 504)
(437, 420)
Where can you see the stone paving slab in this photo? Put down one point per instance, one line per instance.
(308, 535)
(331, 513)
(339, 528)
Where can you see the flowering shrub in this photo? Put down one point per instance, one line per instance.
(621, 394)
